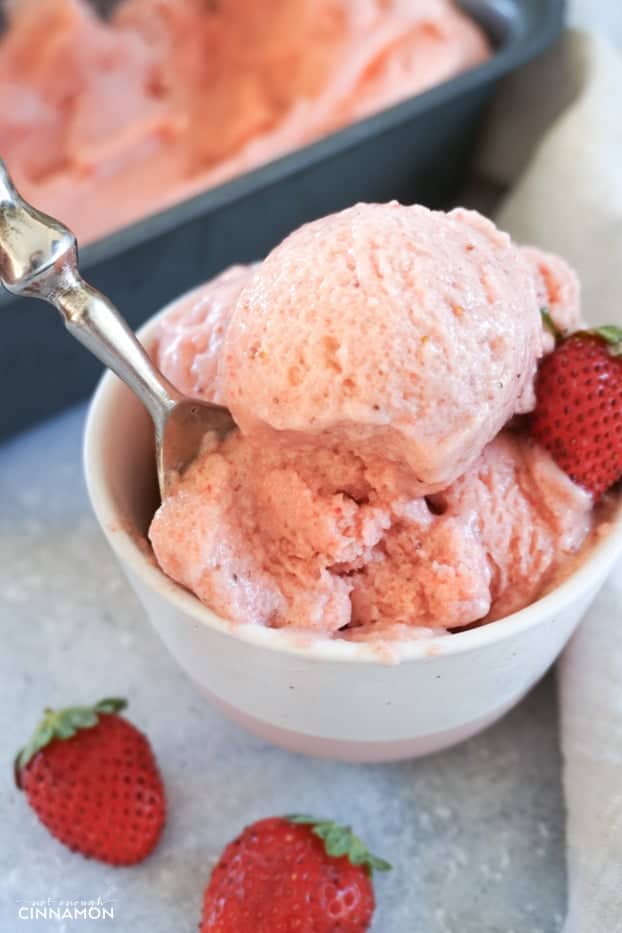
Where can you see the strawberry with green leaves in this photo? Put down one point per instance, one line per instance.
(92, 779)
(578, 415)
(292, 874)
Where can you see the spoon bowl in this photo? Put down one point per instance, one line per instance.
(182, 433)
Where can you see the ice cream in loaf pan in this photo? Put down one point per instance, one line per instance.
(104, 122)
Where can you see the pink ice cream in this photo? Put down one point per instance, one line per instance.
(192, 335)
(102, 122)
(397, 332)
(322, 541)
(365, 509)
(484, 548)
(557, 288)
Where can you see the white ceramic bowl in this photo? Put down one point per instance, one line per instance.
(326, 698)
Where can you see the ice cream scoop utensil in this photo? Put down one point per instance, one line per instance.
(39, 259)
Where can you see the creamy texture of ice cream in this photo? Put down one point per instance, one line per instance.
(324, 540)
(397, 504)
(557, 288)
(104, 122)
(395, 331)
(192, 335)
(491, 544)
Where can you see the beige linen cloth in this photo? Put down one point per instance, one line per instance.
(555, 144)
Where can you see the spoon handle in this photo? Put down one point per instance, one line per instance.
(39, 259)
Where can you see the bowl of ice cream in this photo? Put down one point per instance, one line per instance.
(380, 562)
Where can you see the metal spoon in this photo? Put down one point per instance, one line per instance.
(39, 259)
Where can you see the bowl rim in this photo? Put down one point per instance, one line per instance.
(304, 643)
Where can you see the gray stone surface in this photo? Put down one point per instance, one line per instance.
(476, 833)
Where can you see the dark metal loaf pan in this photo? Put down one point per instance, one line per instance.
(417, 151)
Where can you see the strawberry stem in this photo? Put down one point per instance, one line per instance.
(339, 841)
(63, 724)
(549, 323)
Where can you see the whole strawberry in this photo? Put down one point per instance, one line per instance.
(292, 874)
(91, 778)
(578, 415)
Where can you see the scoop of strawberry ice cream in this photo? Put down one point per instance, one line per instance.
(496, 536)
(393, 331)
(320, 539)
(558, 291)
(255, 532)
(191, 335)
(528, 514)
